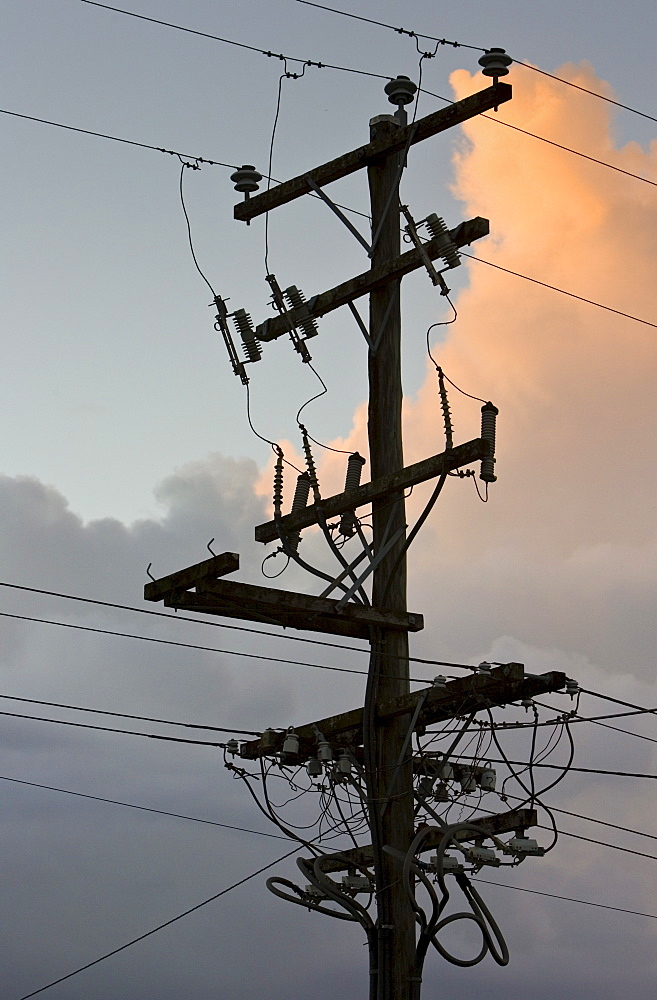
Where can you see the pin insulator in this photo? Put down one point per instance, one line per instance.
(291, 742)
(355, 464)
(488, 419)
(439, 682)
(313, 767)
(401, 90)
(487, 779)
(572, 687)
(268, 739)
(495, 62)
(441, 792)
(324, 752)
(246, 179)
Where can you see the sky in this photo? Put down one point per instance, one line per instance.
(126, 444)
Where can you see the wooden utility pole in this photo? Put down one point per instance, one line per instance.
(391, 820)
(377, 735)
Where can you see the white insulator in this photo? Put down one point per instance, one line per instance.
(487, 779)
(246, 179)
(446, 772)
(313, 767)
(440, 232)
(495, 62)
(343, 763)
(451, 865)
(525, 847)
(250, 342)
(291, 742)
(233, 747)
(439, 682)
(527, 703)
(324, 752)
(484, 668)
(488, 421)
(357, 883)
(481, 855)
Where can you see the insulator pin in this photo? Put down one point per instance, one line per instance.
(355, 464)
(440, 232)
(251, 344)
(488, 420)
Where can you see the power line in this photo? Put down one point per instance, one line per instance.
(461, 45)
(107, 729)
(160, 927)
(562, 291)
(116, 138)
(589, 819)
(617, 701)
(132, 805)
(229, 41)
(123, 715)
(558, 767)
(568, 899)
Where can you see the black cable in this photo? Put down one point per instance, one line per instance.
(106, 729)
(132, 805)
(569, 899)
(189, 227)
(617, 701)
(116, 138)
(160, 927)
(230, 41)
(238, 628)
(562, 291)
(582, 770)
(123, 715)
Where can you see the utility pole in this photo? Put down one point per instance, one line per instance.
(375, 739)
(389, 670)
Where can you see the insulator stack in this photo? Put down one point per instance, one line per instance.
(495, 63)
(303, 319)
(488, 419)
(278, 485)
(300, 501)
(310, 464)
(447, 416)
(440, 232)
(355, 465)
(251, 344)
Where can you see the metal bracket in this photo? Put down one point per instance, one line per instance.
(341, 216)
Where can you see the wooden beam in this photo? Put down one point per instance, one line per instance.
(420, 472)
(507, 822)
(230, 599)
(348, 163)
(192, 576)
(462, 235)
(464, 695)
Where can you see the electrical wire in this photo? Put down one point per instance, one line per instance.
(568, 899)
(132, 805)
(106, 729)
(230, 41)
(192, 166)
(618, 701)
(123, 715)
(201, 621)
(581, 770)
(562, 291)
(154, 930)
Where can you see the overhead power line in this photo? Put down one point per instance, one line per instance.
(107, 729)
(160, 927)
(149, 809)
(562, 291)
(559, 767)
(568, 899)
(462, 45)
(124, 715)
(230, 41)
